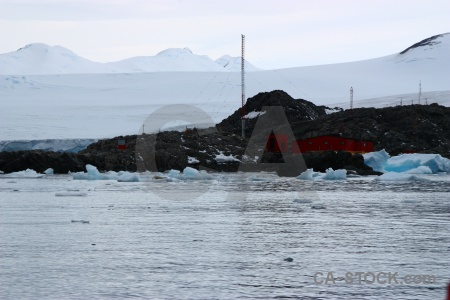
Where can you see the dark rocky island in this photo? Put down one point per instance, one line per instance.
(413, 128)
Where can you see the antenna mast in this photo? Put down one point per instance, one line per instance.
(243, 83)
(351, 98)
(420, 90)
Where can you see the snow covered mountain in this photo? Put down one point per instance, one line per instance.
(106, 105)
(42, 59)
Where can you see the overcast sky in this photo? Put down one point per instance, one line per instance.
(281, 33)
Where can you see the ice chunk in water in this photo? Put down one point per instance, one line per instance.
(70, 194)
(28, 173)
(330, 174)
(380, 161)
(94, 174)
(393, 176)
(307, 175)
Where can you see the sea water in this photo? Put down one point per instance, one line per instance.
(237, 236)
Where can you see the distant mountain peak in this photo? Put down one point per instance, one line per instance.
(431, 41)
(175, 52)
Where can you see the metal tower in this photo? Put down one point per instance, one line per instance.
(351, 98)
(420, 90)
(243, 83)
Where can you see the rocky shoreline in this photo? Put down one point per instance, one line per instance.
(417, 128)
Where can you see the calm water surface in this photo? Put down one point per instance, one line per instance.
(166, 240)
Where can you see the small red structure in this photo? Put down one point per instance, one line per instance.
(277, 143)
(448, 291)
(334, 143)
(121, 145)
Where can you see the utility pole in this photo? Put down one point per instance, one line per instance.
(243, 83)
(351, 98)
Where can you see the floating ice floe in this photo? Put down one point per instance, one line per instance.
(94, 174)
(70, 194)
(394, 176)
(411, 201)
(416, 163)
(28, 173)
(80, 221)
(329, 174)
(303, 201)
(255, 178)
(188, 174)
(318, 206)
(49, 171)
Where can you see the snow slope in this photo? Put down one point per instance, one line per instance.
(42, 59)
(233, 64)
(105, 105)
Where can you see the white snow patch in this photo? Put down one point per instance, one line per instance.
(254, 114)
(192, 160)
(222, 158)
(332, 110)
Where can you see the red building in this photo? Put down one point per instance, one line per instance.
(279, 143)
(334, 143)
(121, 145)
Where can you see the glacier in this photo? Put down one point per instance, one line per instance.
(93, 105)
(415, 163)
(56, 145)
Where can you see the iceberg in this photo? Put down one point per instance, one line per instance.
(28, 173)
(420, 170)
(334, 175)
(94, 174)
(49, 171)
(307, 175)
(376, 160)
(416, 163)
(329, 174)
(189, 174)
